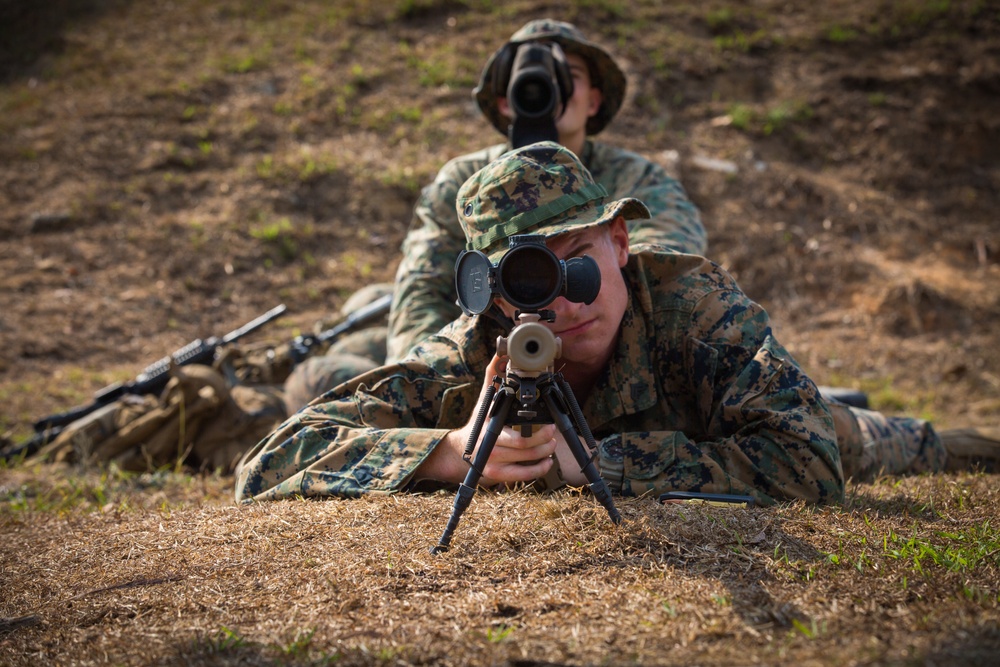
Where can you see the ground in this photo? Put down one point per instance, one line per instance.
(170, 171)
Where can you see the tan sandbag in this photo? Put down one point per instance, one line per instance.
(199, 420)
(165, 434)
(245, 418)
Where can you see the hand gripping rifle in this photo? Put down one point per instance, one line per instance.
(152, 380)
(530, 277)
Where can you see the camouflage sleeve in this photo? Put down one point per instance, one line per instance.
(764, 430)
(675, 223)
(370, 436)
(424, 297)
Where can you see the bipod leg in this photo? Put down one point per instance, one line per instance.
(467, 489)
(556, 400)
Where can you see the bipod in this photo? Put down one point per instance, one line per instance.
(559, 408)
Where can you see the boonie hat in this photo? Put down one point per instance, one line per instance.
(604, 72)
(539, 189)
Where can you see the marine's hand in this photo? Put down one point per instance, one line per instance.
(514, 458)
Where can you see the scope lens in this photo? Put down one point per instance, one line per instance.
(533, 97)
(530, 277)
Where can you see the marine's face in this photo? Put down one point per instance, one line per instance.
(589, 332)
(584, 103)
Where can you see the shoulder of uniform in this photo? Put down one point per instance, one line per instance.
(476, 160)
(677, 280)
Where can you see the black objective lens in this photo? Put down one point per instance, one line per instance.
(533, 97)
(530, 276)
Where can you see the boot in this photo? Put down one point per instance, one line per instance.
(972, 449)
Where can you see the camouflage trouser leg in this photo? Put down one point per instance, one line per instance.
(356, 353)
(871, 443)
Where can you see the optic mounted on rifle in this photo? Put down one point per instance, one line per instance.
(536, 80)
(529, 277)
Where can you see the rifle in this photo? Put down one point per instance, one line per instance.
(302, 346)
(152, 380)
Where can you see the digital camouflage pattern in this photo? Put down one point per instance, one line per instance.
(698, 396)
(425, 295)
(542, 191)
(356, 353)
(604, 72)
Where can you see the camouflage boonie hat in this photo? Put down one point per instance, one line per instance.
(538, 189)
(604, 72)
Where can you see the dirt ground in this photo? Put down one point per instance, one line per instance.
(169, 171)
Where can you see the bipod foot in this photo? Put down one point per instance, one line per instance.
(462, 500)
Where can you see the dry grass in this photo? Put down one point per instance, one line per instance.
(201, 162)
(905, 573)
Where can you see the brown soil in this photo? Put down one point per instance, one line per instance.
(168, 171)
(160, 185)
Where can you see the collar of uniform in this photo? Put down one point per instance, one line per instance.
(629, 385)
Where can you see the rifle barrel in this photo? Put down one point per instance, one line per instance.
(253, 324)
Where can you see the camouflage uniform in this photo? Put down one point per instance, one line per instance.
(424, 299)
(425, 292)
(350, 355)
(698, 394)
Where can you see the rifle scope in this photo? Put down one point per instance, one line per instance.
(529, 276)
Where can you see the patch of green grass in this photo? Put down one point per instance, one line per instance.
(962, 550)
(840, 35)
(913, 16)
(299, 646)
(741, 116)
(223, 641)
(925, 552)
(720, 19)
(65, 494)
(811, 631)
(769, 121)
(877, 99)
(499, 633)
(281, 235)
(445, 68)
(402, 177)
(921, 12)
(301, 167)
(742, 42)
(242, 64)
(885, 397)
(786, 113)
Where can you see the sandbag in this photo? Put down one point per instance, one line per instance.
(200, 420)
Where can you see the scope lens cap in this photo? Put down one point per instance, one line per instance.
(472, 282)
(583, 279)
